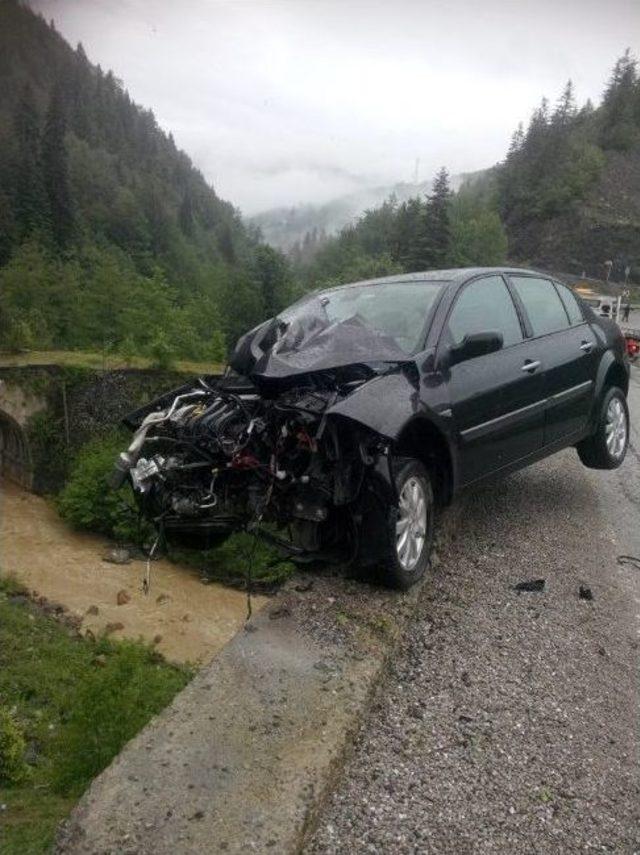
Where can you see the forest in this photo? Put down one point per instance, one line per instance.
(109, 237)
(552, 171)
(111, 240)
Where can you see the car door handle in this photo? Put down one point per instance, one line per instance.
(531, 365)
(587, 346)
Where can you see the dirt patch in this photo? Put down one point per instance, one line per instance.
(186, 620)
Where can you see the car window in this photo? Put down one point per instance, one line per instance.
(570, 303)
(485, 305)
(396, 309)
(541, 301)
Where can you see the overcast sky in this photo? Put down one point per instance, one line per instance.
(287, 101)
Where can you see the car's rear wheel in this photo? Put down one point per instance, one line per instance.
(607, 446)
(409, 533)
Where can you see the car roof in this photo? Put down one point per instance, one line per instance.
(454, 275)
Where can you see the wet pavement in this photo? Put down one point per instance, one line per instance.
(511, 720)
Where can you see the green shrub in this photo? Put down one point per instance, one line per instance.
(88, 502)
(12, 748)
(128, 350)
(161, 352)
(218, 346)
(107, 708)
(19, 336)
(229, 562)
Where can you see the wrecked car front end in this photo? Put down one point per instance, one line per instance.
(223, 457)
(280, 445)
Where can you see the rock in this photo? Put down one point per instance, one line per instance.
(117, 556)
(123, 597)
(162, 598)
(93, 610)
(113, 627)
(186, 618)
(100, 660)
(303, 587)
(157, 639)
(585, 593)
(280, 611)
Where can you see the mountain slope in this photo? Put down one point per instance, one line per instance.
(569, 188)
(94, 193)
(603, 225)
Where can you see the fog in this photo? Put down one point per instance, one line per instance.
(286, 102)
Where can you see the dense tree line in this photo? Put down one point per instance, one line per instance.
(549, 169)
(109, 237)
(441, 230)
(554, 166)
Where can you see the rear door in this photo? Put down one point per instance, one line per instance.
(571, 353)
(497, 400)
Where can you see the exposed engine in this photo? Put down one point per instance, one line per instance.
(219, 456)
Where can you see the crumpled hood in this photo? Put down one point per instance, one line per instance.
(284, 347)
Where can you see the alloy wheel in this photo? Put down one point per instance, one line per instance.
(411, 525)
(616, 428)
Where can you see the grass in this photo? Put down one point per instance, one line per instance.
(109, 361)
(77, 702)
(228, 562)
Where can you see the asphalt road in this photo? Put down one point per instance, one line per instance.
(510, 722)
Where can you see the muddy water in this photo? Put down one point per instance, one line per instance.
(194, 620)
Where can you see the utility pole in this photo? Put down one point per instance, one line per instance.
(608, 265)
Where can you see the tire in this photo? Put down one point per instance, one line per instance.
(405, 562)
(607, 446)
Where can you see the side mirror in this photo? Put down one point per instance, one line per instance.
(476, 344)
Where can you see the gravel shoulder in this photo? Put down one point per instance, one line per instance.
(510, 721)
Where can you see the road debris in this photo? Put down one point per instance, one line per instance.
(530, 585)
(117, 556)
(585, 593)
(629, 560)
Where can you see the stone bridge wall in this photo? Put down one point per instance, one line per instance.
(48, 412)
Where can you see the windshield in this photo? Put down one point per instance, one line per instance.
(396, 309)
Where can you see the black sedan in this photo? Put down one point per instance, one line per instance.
(343, 423)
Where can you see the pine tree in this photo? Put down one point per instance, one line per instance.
(29, 201)
(408, 243)
(56, 170)
(272, 281)
(517, 141)
(565, 109)
(621, 105)
(437, 235)
(185, 213)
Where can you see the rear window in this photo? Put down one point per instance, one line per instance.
(570, 303)
(542, 304)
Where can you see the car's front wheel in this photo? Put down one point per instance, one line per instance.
(410, 526)
(607, 446)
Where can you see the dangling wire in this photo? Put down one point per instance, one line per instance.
(146, 582)
(251, 528)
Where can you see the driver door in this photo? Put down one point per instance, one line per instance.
(497, 400)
